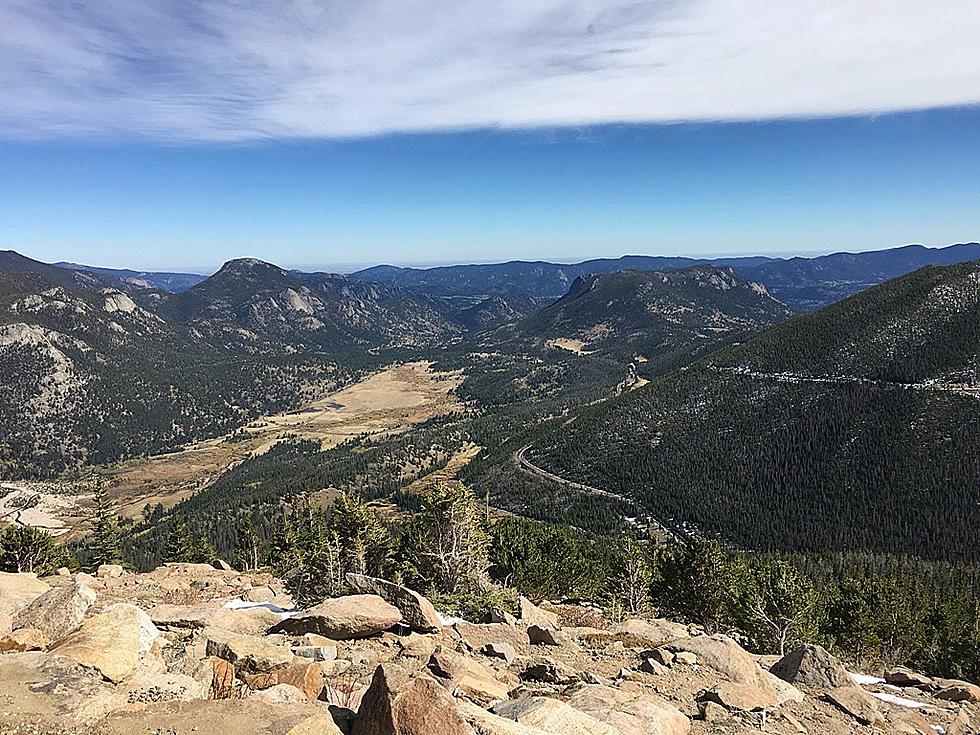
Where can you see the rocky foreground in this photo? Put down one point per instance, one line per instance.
(192, 648)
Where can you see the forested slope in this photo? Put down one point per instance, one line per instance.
(810, 436)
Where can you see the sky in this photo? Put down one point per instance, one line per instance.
(173, 134)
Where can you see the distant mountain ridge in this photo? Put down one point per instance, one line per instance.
(802, 283)
(173, 282)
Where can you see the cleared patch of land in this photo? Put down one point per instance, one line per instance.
(572, 345)
(386, 402)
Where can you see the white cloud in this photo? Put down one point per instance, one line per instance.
(228, 70)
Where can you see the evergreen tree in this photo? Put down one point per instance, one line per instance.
(180, 543)
(778, 606)
(31, 550)
(630, 587)
(105, 547)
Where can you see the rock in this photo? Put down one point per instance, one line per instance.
(466, 677)
(547, 670)
(63, 572)
(857, 703)
(713, 712)
(306, 676)
(219, 676)
(961, 724)
(785, 692)
(650, 666)
(254, 621)
(416, 610)
(959, 691)
(343, 618)
(686, 657)
(259, 594)
(36, 683)
(542, 635)
(17, 591)
(57, 612)
(812, 666)
(115, 641)
(630, 712)
(110, 571)
(278, 694)
(247, 653)
(496, 649)
(487, 723)
(553, 716)
(24, 639)
(502, 616)
(476, 636)
(316, 653)
(416, 646)
(727, 658)
(251, 716)
(222, 565)
(902, 677)
(661, 655)
(398, 703)
(737, 697)
(531, 614)
(651, 633)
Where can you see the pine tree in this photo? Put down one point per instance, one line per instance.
(31, 550)
(180, 543)
(777, 606)
(631, 585)
(248, 553)
(105, 547)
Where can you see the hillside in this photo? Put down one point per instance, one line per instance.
(856, 427)
(663, 319)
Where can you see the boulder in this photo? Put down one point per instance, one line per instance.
(400, 703)
(959, 691)
(547, 670)
(247, 653)
(468, 678)
(785, 692)
(17, 591)
(487, 723)
(222, 566)
(651, 633)
(903, 677)
(737, 697)
(812, 666)
(531, 614)
(498, 649)
(250, 716)
(686, 657)
(115, 641)
(279, 694)
(57, 612)
(110, 571)
(630, 712)
(857, 703)
(476, 635)
(316, 653)
(259, 594)
(540, 635)
(652, 666)
(416, 610)
(253, 621)
(343, 618)
(37, 682)
(306, 676)
(661, 655)
(727, 658)
(146, 685)
(24, 639)
(553, 716)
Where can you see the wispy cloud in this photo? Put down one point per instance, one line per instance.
(230, 70)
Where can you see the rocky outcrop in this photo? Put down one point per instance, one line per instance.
(553, 716)
(17, 591)
(252, 621)
(630, 712)
(248, 653)
(731, 661)
(416, 610)
(398, 703)
(344, 618)
(57, 612)
(114, 641)
(531, 614)
(857, 703)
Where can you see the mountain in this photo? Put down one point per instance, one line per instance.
(809, 283)
(539, 279)
(664, 319)
(804, 284)
(855, 427)
(173, 282)
(13, 262)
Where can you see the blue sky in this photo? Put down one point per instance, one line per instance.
(167, 134)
